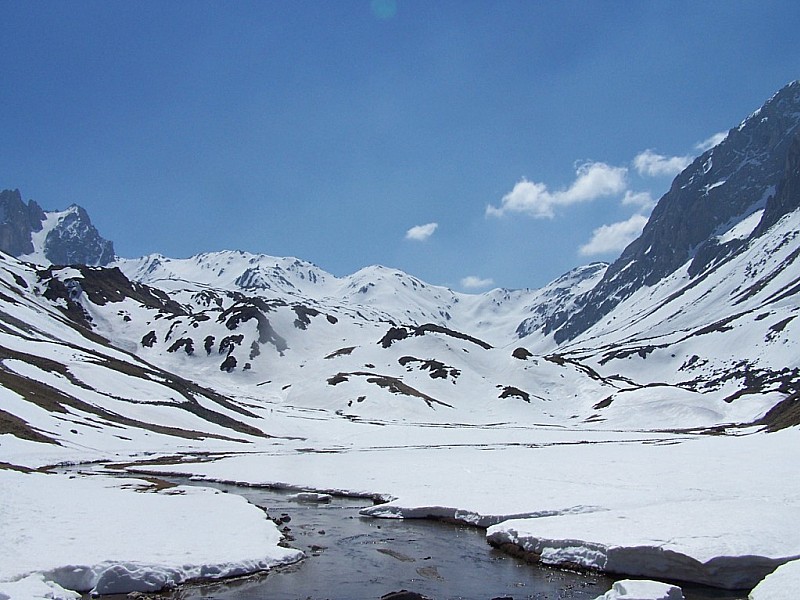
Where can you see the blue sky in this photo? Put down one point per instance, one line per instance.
(472, 144)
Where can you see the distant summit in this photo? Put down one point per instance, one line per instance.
(750, 177)
(59, 237)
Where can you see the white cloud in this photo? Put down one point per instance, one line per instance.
(472, 282)
(592, 180)
(641, 199)
(614, 237)
(657, 165)
(421, 233)
(711, 142)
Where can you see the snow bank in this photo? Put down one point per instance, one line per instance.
(782, 584)
(111, 536)
(715, 543)
(630, 589)
(35, 587)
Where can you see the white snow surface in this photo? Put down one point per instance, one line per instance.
(782, 584)
(716, 510)
(642, 589)
(35, 587)
(108, 535)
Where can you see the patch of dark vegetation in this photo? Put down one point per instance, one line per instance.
(513, 392)
(521, 353)
(102, 285)
(246, 309)
(781, 325)
(640, 351)
(341, 352)
(21, 429)
(760, 381)
(396, 334)
(432, 328)
(229, 364)
(18, 468)
(255, 350)
(20, 281)
(229, 343)
(438, 370)
(303, 313)
(208, 344)
(207, 297)
(393, 384)
(783, 415)
(604, 403)
(149, 339)
(186, 343)
(562, 361)
(337, 379)
(55, 401)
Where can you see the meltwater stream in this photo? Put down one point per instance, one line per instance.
(350, 557)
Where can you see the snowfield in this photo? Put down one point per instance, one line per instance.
(709, 509)
(108, 536)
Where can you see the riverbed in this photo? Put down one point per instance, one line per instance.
(351, 557)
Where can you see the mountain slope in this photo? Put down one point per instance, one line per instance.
(724, 186)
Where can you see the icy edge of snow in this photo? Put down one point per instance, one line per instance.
(781, 584)
(645, 560)
(642, 589)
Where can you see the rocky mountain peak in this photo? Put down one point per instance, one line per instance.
(60, 237)
(17, 222)
(722, 187)
(74, 240)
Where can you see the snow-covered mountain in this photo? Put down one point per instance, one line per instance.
(302, 378)
(59, 237)
(728, 197)
(694, 325)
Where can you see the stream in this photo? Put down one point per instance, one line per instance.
(350, 557)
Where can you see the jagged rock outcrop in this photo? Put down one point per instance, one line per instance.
(740, 176)
(75, 241)
(71, 239)
(17, 222)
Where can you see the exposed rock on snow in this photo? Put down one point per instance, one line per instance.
(642, 589)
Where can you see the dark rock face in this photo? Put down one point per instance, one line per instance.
(75, 241)
(17, 222)
(745, 173)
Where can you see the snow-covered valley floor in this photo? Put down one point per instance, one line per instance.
(721, 509)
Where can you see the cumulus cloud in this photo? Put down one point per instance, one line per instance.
(471, 282)
(657, 165)
(643, 200)
(592, 180)
(614, 237)
(421, 233)
(711, 142)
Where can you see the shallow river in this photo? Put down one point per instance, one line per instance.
(350, 557)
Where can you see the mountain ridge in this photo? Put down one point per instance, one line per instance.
(59, 237)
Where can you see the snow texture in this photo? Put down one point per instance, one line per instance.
(116, 535)
(782, 584)
(642, 589)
